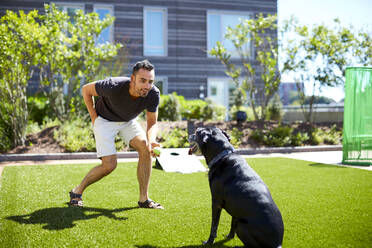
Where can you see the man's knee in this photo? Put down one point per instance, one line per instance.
(141, 146)
(109, 163)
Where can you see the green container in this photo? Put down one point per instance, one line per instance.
(357, 129)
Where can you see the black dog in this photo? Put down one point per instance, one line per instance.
(237, 188)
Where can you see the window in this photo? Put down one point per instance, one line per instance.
(70, 8)
(106, 35)
(222, 91)
(155, 32)
(217, 23)
(162, 84)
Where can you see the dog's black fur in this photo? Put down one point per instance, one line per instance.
(237, 188)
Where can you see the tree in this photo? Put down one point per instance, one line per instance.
(65, 54)
(260, 32)
(74, 57)
(318, 56)
(20, 39)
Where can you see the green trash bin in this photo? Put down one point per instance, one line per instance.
(357, 128)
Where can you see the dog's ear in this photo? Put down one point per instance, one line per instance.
(227, 136)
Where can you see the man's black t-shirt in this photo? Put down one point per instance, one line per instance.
(115, 104)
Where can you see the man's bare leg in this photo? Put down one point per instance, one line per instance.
(144, 166)
(108, 165)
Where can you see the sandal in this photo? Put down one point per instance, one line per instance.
(76, 200)
(150, 204)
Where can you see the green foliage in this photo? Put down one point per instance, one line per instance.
(6, 133)
(263, 63)
(279, 137)
(330, 137)
(275, 109)
(202, 110)
(318, 56)
(247, 110)
(39, 108)
(20, 38)
(169, 108)
(77, 136)
(72, 56)
(236, 137)
(177, 138)
(174, 107)
(65, 54)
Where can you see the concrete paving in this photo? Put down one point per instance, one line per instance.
(327, 157)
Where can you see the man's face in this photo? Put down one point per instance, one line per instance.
(143, 82)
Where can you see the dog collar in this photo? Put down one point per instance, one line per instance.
(220, 156)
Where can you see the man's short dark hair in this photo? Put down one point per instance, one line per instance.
(144, 64)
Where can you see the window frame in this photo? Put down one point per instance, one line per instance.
(165, 28)
(165, 83)
(221, 13)
(112, 13)
(65, 5)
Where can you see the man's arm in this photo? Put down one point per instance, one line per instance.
(88, 91)
(152, 129)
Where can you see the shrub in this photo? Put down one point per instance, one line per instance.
(177, 138)
(192, 109)
(174, 107)
(248, 110)
(169, 108)
(331, 137)
(39, 108)
(275, 109)
(6, 136)
(236, 137)
(316, 136)
(77, 136)
(279, 137)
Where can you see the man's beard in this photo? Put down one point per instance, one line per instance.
(142, 92)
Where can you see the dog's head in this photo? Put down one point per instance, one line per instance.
(209, 141)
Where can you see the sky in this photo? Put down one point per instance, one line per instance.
(309, 12)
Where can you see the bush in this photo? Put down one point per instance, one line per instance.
(331, 137)
(6, 136)
(177, 138)
(248, 110)
(275, 109)
(39, 108)
(212, 111)
(192, 109)
(279, 137)
(169, 108)
(77, 136)
(174, 107)
(236, 137)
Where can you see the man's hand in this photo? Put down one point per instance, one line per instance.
(88, 91)
(153, 145)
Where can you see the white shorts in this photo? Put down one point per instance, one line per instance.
(105, 132)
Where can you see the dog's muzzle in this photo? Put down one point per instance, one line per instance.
(194, 148)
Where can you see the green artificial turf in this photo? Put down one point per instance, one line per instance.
(321, 205)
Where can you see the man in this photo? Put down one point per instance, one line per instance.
(120, 101)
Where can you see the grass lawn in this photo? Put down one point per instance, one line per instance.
(322, 206)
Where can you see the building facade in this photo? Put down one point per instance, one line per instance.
(175, 35)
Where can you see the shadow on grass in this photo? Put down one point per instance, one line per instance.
(64, 217)
(320, 165)
(220, 244)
